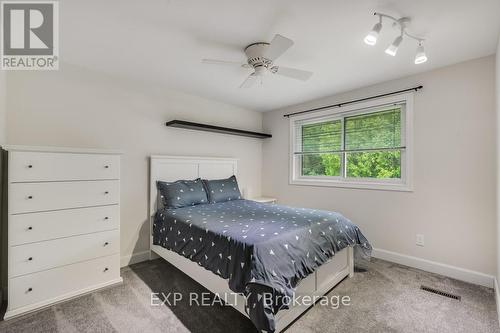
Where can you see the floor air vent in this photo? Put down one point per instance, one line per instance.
(439, 292)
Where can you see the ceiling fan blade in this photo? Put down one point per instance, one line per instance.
(293, 73)
(277, 47)
(224, 62)
(250, 81)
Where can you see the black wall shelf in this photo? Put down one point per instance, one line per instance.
(216, 129)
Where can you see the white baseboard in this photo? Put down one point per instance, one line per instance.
(134, 258)
(454, 272)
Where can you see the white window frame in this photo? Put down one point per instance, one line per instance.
(405, 183)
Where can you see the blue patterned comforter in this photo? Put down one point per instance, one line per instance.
(257, 247)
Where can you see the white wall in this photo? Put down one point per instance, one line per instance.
(453, 202)
(79, 108)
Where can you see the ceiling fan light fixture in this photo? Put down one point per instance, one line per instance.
(261, 70)
(371, 38)
(420, 57)
(260, 58)
(392, 50)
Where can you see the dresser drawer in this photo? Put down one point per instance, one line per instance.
(60, 282)
(33, 197)
(39, 166)
(30, 258)
(35, 227)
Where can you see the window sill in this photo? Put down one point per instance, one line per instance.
(365, 185)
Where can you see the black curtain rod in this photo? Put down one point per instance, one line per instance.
(354, 101)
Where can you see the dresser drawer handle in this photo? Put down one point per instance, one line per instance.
(106, 244)
(30, 166)
(30, 228)
(106, 269)
(30, 258)
(30, 197)
(106, 192)
(106, 166)
(29, 290)
(106, 218)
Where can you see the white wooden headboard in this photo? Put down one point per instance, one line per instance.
(172, 168)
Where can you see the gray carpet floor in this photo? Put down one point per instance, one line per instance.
(384, 298)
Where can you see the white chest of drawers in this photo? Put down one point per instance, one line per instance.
(63, 224)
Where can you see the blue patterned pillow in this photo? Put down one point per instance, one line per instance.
(182, 193)
(221, 190)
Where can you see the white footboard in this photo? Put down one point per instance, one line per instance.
(316, 284)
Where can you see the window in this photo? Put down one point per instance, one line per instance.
(364, 146)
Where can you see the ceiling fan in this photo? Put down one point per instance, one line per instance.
(261, 57)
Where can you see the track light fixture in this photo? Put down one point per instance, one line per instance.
(393, 48)
(420, 57)
(371, 38)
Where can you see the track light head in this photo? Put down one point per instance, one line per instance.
(371, 38)
(420, 57)
(393, 48)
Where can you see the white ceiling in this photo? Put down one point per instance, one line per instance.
(162, 42)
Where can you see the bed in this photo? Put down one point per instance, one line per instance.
(242, 250)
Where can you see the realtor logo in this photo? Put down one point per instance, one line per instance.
(29, 35)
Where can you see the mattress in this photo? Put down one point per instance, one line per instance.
(259, 248)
